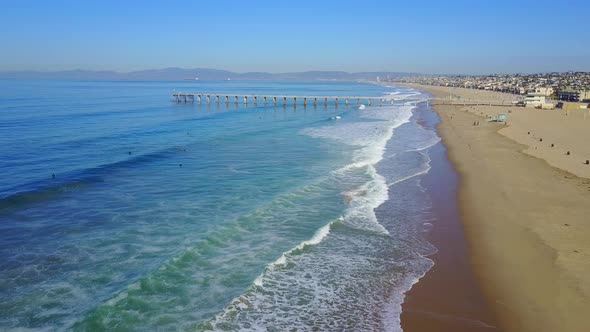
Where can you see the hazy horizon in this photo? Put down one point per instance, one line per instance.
(292, 72)
(458, 37)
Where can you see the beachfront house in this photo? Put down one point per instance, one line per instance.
(547, 91)
(569, 94)
(534, 99)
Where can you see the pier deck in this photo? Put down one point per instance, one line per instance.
(227, 98)
(274, 99)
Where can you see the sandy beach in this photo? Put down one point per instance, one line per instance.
(448, 297)
(525, 208)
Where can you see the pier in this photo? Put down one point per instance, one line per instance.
(284, 100)
(227, 98)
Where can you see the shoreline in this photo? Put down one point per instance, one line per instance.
(525, 220)
(447, 297)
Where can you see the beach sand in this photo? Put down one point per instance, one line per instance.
(567, 130)
(525, 210)
(448, 297)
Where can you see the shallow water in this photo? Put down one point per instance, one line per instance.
(209, 217)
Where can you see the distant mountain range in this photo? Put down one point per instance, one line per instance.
(176, 74)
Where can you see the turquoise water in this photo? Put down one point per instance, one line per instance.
(122, 210)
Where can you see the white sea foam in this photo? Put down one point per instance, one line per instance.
(418, 139)
(121, 296)
(422, 172)
(394, 93)
(372, 137)
(404, 95)
(317, 237)
(363, 201)
(428, 144)
(391, 312)
(340, 284)
(401, 170)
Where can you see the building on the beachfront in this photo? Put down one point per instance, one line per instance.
(534, 99)
(568, 95)
(547, 91)
(547, 83)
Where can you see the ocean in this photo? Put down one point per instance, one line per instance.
(121, 209)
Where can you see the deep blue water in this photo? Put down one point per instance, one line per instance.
(121, 209)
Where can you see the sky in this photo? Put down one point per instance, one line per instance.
(436, 37)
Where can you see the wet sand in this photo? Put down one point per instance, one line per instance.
(448, 297)
(526, 221)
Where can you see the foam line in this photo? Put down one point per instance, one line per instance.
(317, 237)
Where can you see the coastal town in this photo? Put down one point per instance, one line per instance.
(538, 90)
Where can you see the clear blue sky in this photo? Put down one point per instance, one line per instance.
(280, 36)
